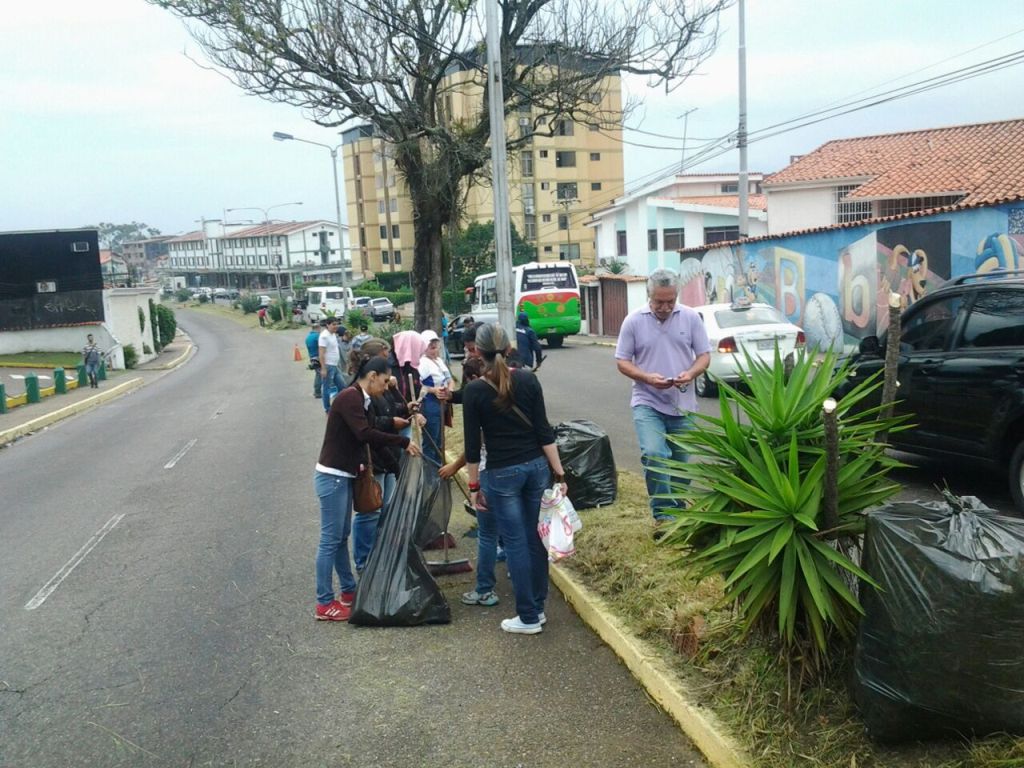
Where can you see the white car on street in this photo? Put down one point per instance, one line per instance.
(738, 327)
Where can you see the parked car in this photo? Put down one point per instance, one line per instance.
(961, 374)
(362, 302)
(265, 301)
(327, 300)
(381, 309)
(743, 327)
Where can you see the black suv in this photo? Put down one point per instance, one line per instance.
(961, 373)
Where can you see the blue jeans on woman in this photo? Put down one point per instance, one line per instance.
(335, 495)
(431, 410)
(653, 428)
(486, 542)
(365, 524)
(514, 499)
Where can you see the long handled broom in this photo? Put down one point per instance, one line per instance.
(448, 565)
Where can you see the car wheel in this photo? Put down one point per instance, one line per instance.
(554, 342)
(704, 386)
(1017, 477)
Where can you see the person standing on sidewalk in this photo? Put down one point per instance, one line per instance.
(313, 349)
(505, 409)
(330, 359)
(344, 450)
(662, 347)
(91, 356)
(435, 379)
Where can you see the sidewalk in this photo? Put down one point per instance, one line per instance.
(25, 419)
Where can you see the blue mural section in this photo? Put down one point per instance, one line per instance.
(835, 284)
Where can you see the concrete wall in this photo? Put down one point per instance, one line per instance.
(835, 283)
(793, 209)
(121, 327)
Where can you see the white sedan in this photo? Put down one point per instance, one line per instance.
(735, 328)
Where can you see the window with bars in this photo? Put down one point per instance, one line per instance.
(914, 204)
(526, 163)
(398, 257)
(720, 234)
(563, 221)
(850, 210)
(529, 227)
(383, 257)
(674, 239)
(383, 231)
(566, 190)
(394, 231)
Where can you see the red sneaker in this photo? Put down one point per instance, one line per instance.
(333, 611)
(347, 598)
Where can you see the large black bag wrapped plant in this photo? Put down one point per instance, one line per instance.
(939, 651)
(396, 588)
(589, 465)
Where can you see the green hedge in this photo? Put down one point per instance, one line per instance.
(397, 297)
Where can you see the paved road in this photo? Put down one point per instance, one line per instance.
(185, 635)
(580, 381)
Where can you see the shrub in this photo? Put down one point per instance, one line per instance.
(153, 326)
(277, 311)
(146, 350)
(249, 303)
(131, 356)
(166, 324)
(182, 295)
(756, 498)
(356, 318)
(203, 298)
(142, 319)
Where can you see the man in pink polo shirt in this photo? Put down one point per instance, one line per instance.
(662, 347)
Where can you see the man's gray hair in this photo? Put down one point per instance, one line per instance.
(662, 278)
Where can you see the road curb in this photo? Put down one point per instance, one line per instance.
(651, 672)
(176, 361)
(13, 433)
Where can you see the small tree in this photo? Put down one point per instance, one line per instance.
(471, 253)
(166, 323)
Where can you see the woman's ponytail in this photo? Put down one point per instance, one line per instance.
(492, 341)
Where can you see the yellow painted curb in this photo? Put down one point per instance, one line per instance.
(13, 433)
(698, 723)
(176, 361)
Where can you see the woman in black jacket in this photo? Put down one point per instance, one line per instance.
(507, 407)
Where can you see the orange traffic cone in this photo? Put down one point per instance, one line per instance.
(298, 354)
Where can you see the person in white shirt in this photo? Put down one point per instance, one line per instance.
(434, 379)
(330, 358)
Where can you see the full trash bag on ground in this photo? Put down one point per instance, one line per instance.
(396, 588)
(939, 649)
(586, 454)
(437, 508)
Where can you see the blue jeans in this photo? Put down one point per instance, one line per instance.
(431, 410)
(335, 495)
(652, 430)
(486, 543)
(332, 378)
(514, 500)
(365, 524)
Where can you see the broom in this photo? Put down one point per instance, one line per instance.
(447, 565)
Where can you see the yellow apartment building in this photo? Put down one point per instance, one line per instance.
(555, 182)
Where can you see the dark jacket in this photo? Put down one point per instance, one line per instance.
(383, 410)
(349, 432)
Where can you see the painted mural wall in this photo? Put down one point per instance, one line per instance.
(835, 284)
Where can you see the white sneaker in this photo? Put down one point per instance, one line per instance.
(516, 626)
(542, 618)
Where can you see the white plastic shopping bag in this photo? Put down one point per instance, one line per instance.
(558, 522)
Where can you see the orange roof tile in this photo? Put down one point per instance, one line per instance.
(754, 202)
(981, 161)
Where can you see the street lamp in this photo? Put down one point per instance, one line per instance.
(279, 136)
(266, 227)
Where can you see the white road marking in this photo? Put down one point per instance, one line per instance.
(170, 464)
(51, 586)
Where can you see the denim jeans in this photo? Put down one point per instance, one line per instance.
(486, 543)
(514, 500)
(431, 410)
(652, 429)
(332, 378)
(335, 495)
(365, 524)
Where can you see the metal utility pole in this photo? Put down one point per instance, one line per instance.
(566, 202)
(741, 133)
(499, 172)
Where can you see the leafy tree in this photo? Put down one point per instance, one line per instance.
(114, 236)
(166, 323)
(471, 253)
(388, 63)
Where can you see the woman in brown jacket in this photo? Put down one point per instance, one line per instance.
(343, 452)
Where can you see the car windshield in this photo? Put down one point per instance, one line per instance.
(734, 318)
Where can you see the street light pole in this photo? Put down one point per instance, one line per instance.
(279, 136)
(266, 232)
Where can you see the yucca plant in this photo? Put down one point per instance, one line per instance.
(754, 498)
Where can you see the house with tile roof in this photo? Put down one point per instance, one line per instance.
(645, 228)
(870, 177)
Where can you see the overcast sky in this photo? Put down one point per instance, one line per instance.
(104, 117)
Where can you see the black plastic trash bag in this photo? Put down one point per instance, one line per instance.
(586, 454)
(939, 650)
(396, 588)
(437, 509)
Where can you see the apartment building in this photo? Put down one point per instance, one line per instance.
(555, 182)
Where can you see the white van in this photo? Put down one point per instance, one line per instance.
(327, 300)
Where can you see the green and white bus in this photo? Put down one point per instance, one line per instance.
(548, 292)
